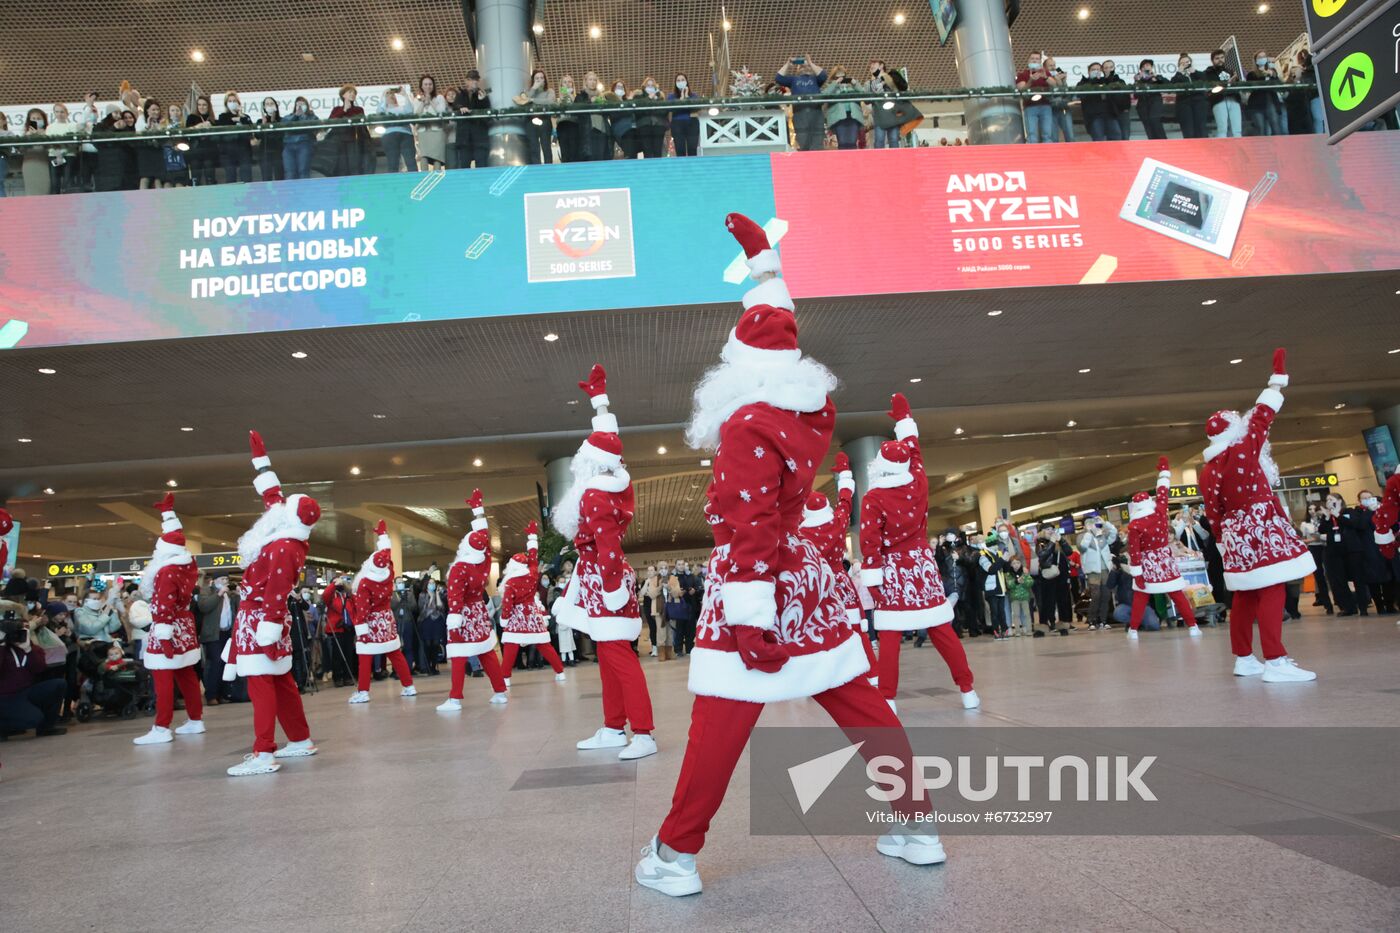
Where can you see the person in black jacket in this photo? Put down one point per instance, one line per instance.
(1052, 587)
(1094, 106)
(1192, 109)
(1365, 567)
(1225, 102)
(1149, 106)
(1335, 554)
(473, 140)
(204, 150)
(235, 149)
(1263, 108)
(1120, 106)
(270, 141)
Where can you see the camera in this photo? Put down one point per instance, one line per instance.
(13, 630)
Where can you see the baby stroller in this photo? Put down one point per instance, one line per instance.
(121, 693)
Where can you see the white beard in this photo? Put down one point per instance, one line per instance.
(1267, 464)
(369, 571)
(274, 524)
(564, 515)
(800, 385)
(164, 555)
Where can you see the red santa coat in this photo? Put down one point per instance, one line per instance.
(1256, 539)
(829, 538)
(894, 550)
(7, 524)
(523, 619)
(262, 633)
(469, 629)
(1387, 516)
(763, 471)
(375, 629)
(173, 639)
(1150, 558)
(602, 572)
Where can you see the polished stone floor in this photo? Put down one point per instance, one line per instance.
(490, 820)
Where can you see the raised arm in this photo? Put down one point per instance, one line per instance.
(906, 431)
(845, 491)
(1164, 482)
(532, 548)
(1271, 399)
(596, 388)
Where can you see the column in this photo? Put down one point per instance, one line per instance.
(503, 58)
(982, 47)
(559, 477)
(862, 451)
(395, 545)
(993, 495)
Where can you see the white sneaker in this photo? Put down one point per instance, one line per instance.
(303, 749)
(191, 727)
(603, 738)
(1194, 631)
(1132, 634)
(653, 651)
(916, 850)
(893, 708)
(450, 705)
(359, 696)
(158, 735)
(640, 747)
(559, 678)
(255, 764)
(1247, 666)
(1285, 671)
(500, 699)
(408, 692)
(677, 878)
(971, 700)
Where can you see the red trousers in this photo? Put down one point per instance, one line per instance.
(165, 683)
(625, 695)
(489, 663)
(948, 645)
(874, 671)
(275, 699)
(400, 667)
(1183, 606)
(510, 649)
(1266, 605)
(719, 730)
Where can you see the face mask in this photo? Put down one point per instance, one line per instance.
(301, 108)
(1096, 74)
(682, 84)
(233, 107)
(306, 595)
(1369, 502)
(1261, 62)
(651, 88)
(1033, 65)
(40, 123)
(94, 603)
(402, 585)
(619, 89)
(432, 586)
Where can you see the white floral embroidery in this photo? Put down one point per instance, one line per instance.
(745, 495)
(760, 566)
(758, 453)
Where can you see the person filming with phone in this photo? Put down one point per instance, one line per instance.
(27, 701)
(803, 77)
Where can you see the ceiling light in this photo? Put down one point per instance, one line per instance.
(1236, 361)
(1209, 301)
(378, 416)
(917, 379)
(594, 32)
(1263, 8)
(996, 313)
(728, 25)
(299, 355)
(48, 490)
(704, 462)
(25, 440)
(354, 471)
(957, 431)
(1084, 12)
(396, 44)
(572, 401)
(1216, 90)
(1071, 423)
(538, 29)
(171, 483)
(187, 429)
(1393, 352)
(47, 371)
(196, 55)
(899, 19)
(551, 337)
(308, 56)
(661, 450)
(1339, 406)
(1084, 370)
(476, 462)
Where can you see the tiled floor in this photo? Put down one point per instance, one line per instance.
(490, 820)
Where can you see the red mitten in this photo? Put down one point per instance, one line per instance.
(597, 382)
(533, 528)
(1280, 359)
(475, 499)
(165, 505)
(899, 407)
(255, 443)
(842, 464)
(1163, 465)
(759, 649)
(749, 234)
(168, 648)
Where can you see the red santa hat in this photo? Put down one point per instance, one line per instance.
(816, 511)
(764, 336)
(473, 547)
(7, 523)
(602, 447)
(475, 503)
(762, 260)
(1142, 505)
(306, 509)
(1224, 429)
(893, 459)
(170, 527)
(517, 566)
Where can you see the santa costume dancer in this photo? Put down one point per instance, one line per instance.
(376, 632)
(171, 648)
(601, 598)
(273, 553)
(1150, 559)
(523, 620)
(826, 528)
(772, 627)
(896, 562)
(7, 525)
(1261, 551)
(469, 630)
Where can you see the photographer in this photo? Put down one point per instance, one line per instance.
(340, 629)
(1150, 106)
(804, 78)
(26, 700)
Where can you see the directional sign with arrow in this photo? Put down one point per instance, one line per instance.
(1358, 76)
(1328, 19)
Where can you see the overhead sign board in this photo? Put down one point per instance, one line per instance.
(1328, 19)
(134, 565)
(1358, 77)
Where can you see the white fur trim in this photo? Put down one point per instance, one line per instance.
(598, 401)
(845, 481)
(855, 618)
(908, 620)
(1271, 397)
(736, 351)
(871, 576)
(1162, 586)
(773, 292)
(455, 620)
(524, 638)
(265, 481)
(1142, 509)
(905, 428)
(361, 629)
(260, 462)
(162, 631)
(616, 599)
(514, 569)
(821, 516)
(480, 524)
(1385, 538)
(616, 481)
(383, 543)
(1164, 478)
(1134, 570)
(1287, 571)
(599, 628)
(718, 673)
(467, 554)
(750, 602)
(368, 571)
(275, 524)
(470, 649)
(257, 665)
(887, 475)
(170, 524)
(268, 633)
(764, 262)
(1278, 380)
(1219, 443)
(164, 555)
(605, 422)
(532, 542)
(159, 662)
(377, 647)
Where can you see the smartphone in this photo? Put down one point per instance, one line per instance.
(800, 60)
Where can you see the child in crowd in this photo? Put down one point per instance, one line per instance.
(1019, 585)
(117, 659)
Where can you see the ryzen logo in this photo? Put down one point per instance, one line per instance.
(579, 233)
(1103, 778)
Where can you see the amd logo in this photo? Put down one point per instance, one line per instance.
(577, 201)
